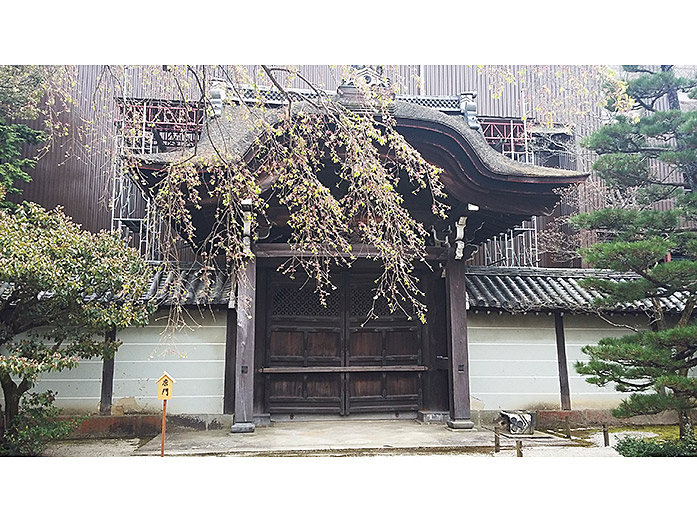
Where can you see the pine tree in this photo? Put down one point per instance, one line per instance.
(651, 152)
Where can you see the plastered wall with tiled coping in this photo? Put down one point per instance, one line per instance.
(513, 365)
(194, 356)
(513, 360)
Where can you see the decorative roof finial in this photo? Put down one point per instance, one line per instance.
(217, 95)
(468, 108)
(352, 89)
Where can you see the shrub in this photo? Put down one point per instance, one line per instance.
(35, 426)
(639, 447)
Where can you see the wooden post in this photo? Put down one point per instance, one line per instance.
(606, 436)
(561, 361)
(107, 379)
(230, 349)
(164, 427)
(244, 350)
(567, 427)
(497, 440)
(458, 372)
(518, 448)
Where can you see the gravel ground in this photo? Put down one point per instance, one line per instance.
(94, 448)
(597, 450)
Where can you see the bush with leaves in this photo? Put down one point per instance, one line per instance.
(650, 448)
(35, 426)
(62, 289)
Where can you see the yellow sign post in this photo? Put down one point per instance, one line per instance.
(165, 386)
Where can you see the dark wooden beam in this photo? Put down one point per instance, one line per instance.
(333, 370)
(561, 361)
(458, 372)
(284, 250)
(260, 414)
(230, 349)
(244, 350)
(107, 379)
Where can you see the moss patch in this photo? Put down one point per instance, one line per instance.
(665, 432)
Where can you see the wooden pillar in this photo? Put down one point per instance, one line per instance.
(458, 372)
(561, 361)
(107, 379)
(230, 349)
(260, 416)
(244, 350)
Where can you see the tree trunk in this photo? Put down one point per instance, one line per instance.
(13, 394)
(685, 423)
(673, 100)
(689, 170)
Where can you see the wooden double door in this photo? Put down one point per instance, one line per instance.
(326, 358)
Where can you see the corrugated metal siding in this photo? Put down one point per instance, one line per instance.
(73, 174)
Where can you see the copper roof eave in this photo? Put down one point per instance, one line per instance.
(474, 169)
(539, 175)
(490, 163)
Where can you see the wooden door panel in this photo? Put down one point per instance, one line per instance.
(304, 393)
(402, 343)
(402, 384)
(285, 345)
(302, 335)
(286, 386)
(365, 348)
(323, 349)
(384, 391)
(318, 386)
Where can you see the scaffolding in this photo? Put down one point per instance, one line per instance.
(509, 136)
(145, 127)
(517, 247)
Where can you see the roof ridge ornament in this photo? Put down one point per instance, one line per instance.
(217, 96)
(468, 108)
(352, 91)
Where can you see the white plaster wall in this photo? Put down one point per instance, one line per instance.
(513, 360)
(584, 329)
(77, 389)
(194, 356)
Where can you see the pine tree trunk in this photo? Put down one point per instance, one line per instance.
(689, 170)
(673, 101)
(685, 423)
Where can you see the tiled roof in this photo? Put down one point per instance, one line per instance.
(505, 288)
(190, 285)
(534, 288)
(196, 287)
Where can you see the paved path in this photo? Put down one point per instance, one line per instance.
(332, 438)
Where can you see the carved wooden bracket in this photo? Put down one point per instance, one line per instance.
(460, 237)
